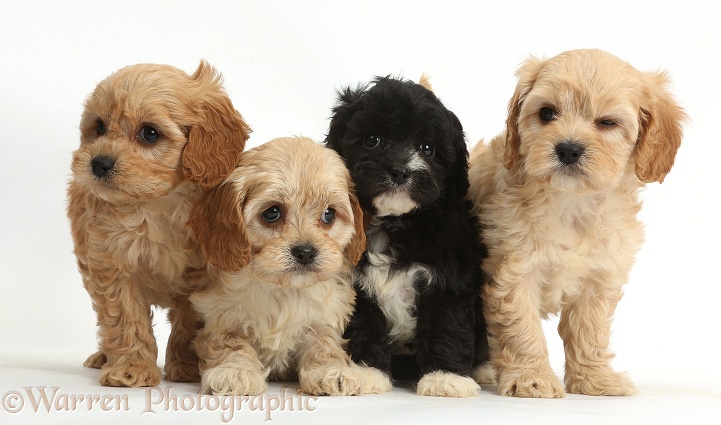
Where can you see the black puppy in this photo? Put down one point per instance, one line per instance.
(418, 306)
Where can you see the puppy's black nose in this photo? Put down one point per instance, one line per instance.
(304, 254)
(102, 165)
(399, 175)
(569, 152)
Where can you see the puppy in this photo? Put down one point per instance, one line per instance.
(419, 280)
(558, 197)
(283, 232)
(153, 139)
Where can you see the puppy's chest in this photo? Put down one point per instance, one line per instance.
(394, 286)
(593, 230)
(282, 320)
(574, 239)
(153, 236)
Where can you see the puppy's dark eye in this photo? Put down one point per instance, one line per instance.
(547, 114)
(272, 214)
(371, 142)
(606, 123)
(148, 134)
(328, 216)
(427, 149)
(101, 129)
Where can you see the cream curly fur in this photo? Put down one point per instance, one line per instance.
(563, 238)
(267, 316)
(133, 246)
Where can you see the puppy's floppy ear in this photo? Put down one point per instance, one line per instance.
(217, 222)
(457, 180)
(217, 140)
(357, 244)
(526, 74)
(660, 131)
(342, 113)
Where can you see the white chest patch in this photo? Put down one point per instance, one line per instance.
(393, 290)
(394, 204)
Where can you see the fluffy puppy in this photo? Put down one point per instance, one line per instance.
(558, 196)
(419, 280)
(282, 233)
(152, 140)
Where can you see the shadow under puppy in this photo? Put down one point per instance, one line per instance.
(417, 306)
(153, 139)
(282, 233)
(558, 197)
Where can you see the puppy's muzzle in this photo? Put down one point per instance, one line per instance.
(399, 175)
(569, 152)
(304, 254)
(102, 165)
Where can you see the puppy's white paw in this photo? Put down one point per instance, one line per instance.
(330, 380)
(484, 374)
(373, 381)
(343, 380)
(228, 379)
(446, 384)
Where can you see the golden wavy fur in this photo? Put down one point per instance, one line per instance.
(557, 195)
(152, 140)
(271, 312)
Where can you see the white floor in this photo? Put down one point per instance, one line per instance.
(44, 388)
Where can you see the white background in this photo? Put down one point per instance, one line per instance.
(282, 62)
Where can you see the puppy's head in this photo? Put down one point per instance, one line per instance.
(146, 128)
(288, 212)
(404, 149)
(584, 120)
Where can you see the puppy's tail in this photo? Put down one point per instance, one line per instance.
(425, 81)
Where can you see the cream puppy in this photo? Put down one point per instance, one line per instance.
(558, 195)
(282, 233)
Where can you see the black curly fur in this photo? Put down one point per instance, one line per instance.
(441, 234)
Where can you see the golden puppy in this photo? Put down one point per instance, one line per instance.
(152, 140)
(557, 195)
(283, 231)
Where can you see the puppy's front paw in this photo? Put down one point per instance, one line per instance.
(331, 380)
(530, 383)
(373, 381)
(96, 360)
(228, 379)
(136, 374)
(606, 382)
(186, 371)
(446, 384)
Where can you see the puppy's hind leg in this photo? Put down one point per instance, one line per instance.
(585, 327)
(181, 361)
(96, 360)
(367, 334)
(482, 371)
